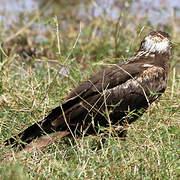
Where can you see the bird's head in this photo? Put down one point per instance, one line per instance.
(157, 42)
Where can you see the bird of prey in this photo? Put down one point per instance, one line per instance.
(117, 95)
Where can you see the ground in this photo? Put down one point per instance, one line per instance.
(35, 81)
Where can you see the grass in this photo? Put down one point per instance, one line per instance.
(31, 86)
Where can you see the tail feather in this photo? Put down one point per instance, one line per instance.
(37, 130)
(26, 136)
(43, 127)
(41, 142)
(37, 144)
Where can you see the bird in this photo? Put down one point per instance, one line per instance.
(115, 96)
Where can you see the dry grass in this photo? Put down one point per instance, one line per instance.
(30, 86)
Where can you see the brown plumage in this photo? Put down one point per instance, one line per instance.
(114, 96)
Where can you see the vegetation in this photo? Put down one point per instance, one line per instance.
(42, 61)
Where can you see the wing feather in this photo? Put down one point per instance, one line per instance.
(106, 79)
(132, 93)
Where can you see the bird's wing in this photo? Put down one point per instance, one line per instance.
(115, 82)
(134, 94)
(106, 79)
(137, 93)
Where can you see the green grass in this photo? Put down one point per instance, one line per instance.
(150, 151)
(30, 88)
